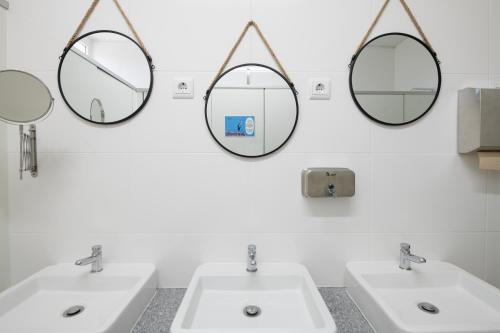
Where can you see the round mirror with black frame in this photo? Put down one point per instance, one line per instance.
(251, 110)
(105, 77)
(395, 79)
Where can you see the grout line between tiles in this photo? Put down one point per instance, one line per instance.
(299, 153)
(222, 234)
(485, 245)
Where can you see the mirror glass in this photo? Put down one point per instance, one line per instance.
(395, 79)
(24, 98)
(105, 77)
(251, 110)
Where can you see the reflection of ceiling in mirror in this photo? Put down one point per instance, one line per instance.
(395, 64)
(106, 37)
(117, 56)
(391, 41)
(251, 77)
(252, 69)
(104, 69)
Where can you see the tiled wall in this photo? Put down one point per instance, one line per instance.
(4, 272)
(493, 226)
(159, 189)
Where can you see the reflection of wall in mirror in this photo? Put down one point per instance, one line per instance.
(374, 70)
(123, 58)
(271, 109)
(237, 102)
(414, 67)
(280, 117)
(404, 67)
(253, 91)
(82, 82)
(387, 108)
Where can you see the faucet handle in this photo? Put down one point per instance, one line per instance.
(405, 246)
(96, 248)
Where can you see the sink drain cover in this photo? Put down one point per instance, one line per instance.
(251, 311)
(73, 311)
(428, 308)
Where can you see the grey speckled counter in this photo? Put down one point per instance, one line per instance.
(161, 311)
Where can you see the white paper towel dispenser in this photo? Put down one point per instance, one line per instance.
(479, 125)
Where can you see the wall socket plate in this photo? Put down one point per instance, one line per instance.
(183, 88)
(321, 88)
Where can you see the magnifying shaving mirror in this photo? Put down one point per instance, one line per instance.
(105, 77)
(24, 100)
(251, 110)
(395, 79)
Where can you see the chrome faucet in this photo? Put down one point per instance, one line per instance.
(406, 257)
(95, 259)
(252, 259)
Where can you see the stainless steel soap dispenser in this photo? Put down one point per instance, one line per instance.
(328, 183)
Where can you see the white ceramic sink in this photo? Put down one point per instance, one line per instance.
(389, 298)
(113, 299)
(285, 293)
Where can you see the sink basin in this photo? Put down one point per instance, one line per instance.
(278, 298)
(112, 300)
(389, 298)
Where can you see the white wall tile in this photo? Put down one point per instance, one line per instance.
(335, 125)
(189, 193)
(492, 267)
(493, 201)
(72, 193)
(457, 29)
(197, 35)
(39, 30)
(312, 36)
(494, 37)
(170, 125)
(427, 193)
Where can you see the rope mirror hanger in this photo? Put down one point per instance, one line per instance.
(377, 18)
(89, 13)
(237, 44)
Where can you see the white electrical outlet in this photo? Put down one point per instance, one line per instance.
(321, 88)
(183, 88)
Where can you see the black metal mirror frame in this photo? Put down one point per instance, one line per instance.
(292, 88)
(353, 64)
(151, 68)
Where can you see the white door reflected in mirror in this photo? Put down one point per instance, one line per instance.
(251, 110)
